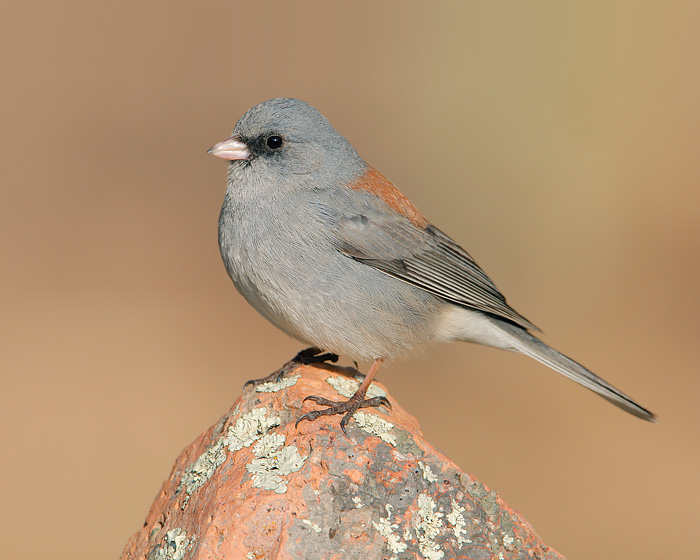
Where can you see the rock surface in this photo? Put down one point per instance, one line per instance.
(254, 487)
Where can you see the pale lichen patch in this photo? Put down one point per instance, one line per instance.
(456, 519)
(376, 426)
(357, 501)
(203, 468)
(268, 445)
(386, 529)
(427, 472)
(174, 547)
(312, 525)
(272, 462)
(274, 386)
(347, 387)
(249, 428)
(428, 527)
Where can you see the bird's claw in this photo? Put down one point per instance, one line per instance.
(314, 356)
(307, 356)
(348, 408)
(274, 377)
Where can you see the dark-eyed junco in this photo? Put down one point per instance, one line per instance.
(332, 253)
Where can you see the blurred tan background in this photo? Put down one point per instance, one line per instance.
(558, 144)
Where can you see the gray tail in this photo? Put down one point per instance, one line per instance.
(529, 345)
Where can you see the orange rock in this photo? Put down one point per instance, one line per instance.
(255, 487)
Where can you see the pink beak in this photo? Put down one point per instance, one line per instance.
(232, 148)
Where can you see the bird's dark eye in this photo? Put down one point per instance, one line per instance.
(274, 142)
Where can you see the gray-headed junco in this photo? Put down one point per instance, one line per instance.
(332, 253)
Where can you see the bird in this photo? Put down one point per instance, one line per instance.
(328, 250)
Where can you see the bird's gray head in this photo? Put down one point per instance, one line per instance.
(288, 141)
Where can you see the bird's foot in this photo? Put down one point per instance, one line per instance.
(348, 408)
(313, 355)
(305, 357)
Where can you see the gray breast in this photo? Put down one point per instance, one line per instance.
(281, 257)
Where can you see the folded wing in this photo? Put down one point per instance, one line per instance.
(424, 257)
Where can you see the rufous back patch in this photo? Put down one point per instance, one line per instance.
(374, 182)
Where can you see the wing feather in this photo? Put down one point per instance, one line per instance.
(425, 257)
